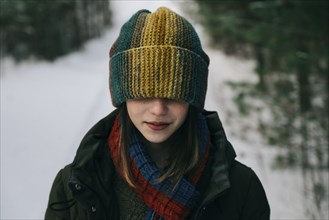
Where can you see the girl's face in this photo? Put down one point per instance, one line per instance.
(157, 119)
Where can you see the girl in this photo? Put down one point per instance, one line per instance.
(159, 155)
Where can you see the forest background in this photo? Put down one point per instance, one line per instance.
(289, 42)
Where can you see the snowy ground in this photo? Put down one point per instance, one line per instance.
(47, 107)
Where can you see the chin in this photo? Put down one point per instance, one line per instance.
(156, 140)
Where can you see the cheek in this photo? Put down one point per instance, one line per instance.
(132, 112)
(133, 108)
(181, 113)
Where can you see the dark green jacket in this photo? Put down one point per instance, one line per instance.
(84, 189)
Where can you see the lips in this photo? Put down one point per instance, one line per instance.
(157, 126)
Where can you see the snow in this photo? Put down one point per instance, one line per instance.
(47, 107)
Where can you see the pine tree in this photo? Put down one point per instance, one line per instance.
(48, 29)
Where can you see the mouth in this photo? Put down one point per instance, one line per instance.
(157, 126)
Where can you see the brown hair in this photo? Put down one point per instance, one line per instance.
(183, 156)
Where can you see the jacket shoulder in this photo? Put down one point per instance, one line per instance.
(246, 193)
(61, 204)
(241, 173)
(60, 196)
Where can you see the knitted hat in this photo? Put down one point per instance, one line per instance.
(158, 55)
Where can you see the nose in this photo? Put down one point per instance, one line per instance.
(158, 107)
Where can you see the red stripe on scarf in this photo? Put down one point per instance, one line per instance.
(114, 141)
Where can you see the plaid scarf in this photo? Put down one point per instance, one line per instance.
(164, 200)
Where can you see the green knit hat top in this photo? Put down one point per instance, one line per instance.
(158, 55)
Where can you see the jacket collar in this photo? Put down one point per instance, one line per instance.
(223, 157)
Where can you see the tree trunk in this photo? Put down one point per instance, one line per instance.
(261, 67)
(303, 76)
